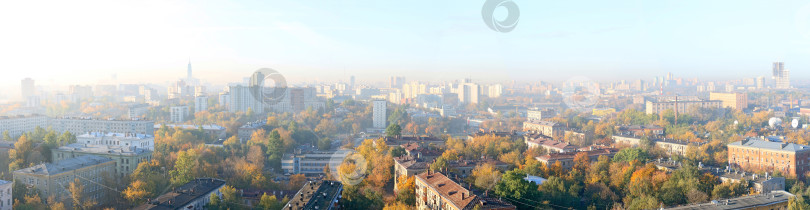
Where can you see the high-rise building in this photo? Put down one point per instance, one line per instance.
(379, 114)
(760, 82)
(781, 75)
(200, 103)
(468, 93)
(27, 88)
(179, 113)
(396, 82)
(241, 100)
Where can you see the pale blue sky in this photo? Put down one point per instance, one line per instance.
(69, 42)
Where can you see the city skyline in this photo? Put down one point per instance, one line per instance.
(551, 42)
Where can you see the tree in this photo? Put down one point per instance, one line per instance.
(393, 130)
(21, 152)
(184, 167)
(268, 202)
(630, 154)
(325, 144)
(797, 203)
(231, 142)
(6, 136)
(76, 189)
(297, 181)
(514, 187)
(136, 191)
(256, 156)
(397, 151)
(406, 190)
(486, 176)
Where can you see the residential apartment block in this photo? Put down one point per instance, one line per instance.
(139, 141)
(436, 191)
(52, 179)
(127, 158)
(193, 195)
(754, 154)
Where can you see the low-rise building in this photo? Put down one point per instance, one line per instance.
(127, 158)
(566, 159)
(52, 179)
(772, 200)
(312, 163)
(754, 154)
(321, 195)
(407, 166)
(139, 141)
(547, 143)
(245, 131)
(547, 128)
(681, 104)
(6, 202)
(738, 100)
(193, 195)
(640, 130)
(437, 191)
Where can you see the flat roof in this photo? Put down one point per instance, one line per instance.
(315, 195)
(769, 145)
(103, 149)
(65, 165)
(181, 196)
(745, 202)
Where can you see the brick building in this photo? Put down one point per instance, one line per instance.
(755, 154)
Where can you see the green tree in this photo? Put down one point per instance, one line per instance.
(630, 154)
(393, 130)
(184, 167)
(514, 187)
(268, 202)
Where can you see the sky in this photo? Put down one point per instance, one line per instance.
(110, 42)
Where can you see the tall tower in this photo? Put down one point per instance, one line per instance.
(27, 88)
(781, 75)
(189, 70)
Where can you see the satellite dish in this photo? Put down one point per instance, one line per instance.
(795, 123)
(736, 122)
(773, 122)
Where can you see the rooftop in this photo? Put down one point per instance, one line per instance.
(64, 165)
(570, 155)
(745, 202)
(103, 149)
(544, 123)
(450, 190)
(315, 195)
(190, 127)
(763, 144)
(114, 135)
(185, 194)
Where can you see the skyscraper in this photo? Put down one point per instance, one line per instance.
(189, 70)
(27, 88)
(781, 75)
(379, 115)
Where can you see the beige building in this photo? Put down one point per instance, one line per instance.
(126, 158)
(546, 128)
(737, 101)
(437, 191)
(682, 105)
(53, 179)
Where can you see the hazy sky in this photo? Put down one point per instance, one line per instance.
(91, 42)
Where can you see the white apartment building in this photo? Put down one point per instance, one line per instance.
(85, 125)
(5, 195)
(118, 139)
(379, 114)
(200, 103)
(179, 114)
(241, 100)
(18, 125)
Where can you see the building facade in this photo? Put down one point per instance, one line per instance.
(118, 139)
(200, 103)
(6, 202)
(17, 125)
(546, 128)
(756, 154)
(127, 158)
(736, 101)
(85, 125)
(436, 191)
(178, 114)
(52, 179)
(681, 105)
(379, 117)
